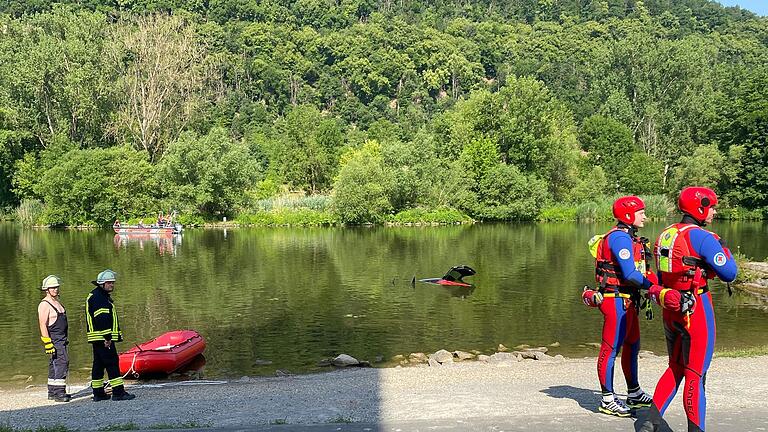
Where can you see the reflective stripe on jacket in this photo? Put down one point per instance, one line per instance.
(101, 318)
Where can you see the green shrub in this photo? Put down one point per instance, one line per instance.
(557, 213)
(598, 210)
(312, 202)
(657, 207)
(97, 186)
(206, 174)
(288, 217)
(363, 187)
(642, 174)
(740, 213)
(421, 215)
(29, 212)
(266, 188)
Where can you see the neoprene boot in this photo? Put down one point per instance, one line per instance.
(652, 423)
(693, 427)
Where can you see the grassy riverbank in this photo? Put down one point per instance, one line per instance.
(743, 352)
(319, 210)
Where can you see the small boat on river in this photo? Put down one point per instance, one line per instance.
(164, 354)
(165, 226)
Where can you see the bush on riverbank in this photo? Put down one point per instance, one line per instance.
(93, 186)
(29, 212)
(7, 213)
(288, 217)
(442, 216)
(743, 352)
(740, 213)
(312, 202)
(657, 207)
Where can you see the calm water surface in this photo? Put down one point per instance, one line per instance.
(297, 296)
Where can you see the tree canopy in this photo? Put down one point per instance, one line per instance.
(497, 109)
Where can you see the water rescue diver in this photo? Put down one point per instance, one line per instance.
(687, 256)
(454, 276)
(621, 271)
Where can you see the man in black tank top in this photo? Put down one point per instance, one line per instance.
(52, 318)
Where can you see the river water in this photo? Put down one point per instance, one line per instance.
(294, 296)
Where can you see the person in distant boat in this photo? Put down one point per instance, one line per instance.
(52, 318)
(141, 223)
(621, 270)
(103, 330)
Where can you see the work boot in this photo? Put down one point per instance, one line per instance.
(123, 396)
(616, 407)
(641, 401)
(54, 397)
(100, 395)
(62, 398)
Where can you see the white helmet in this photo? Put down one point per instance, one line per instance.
(50, 281)
(106, 276)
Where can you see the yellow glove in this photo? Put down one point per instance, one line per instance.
(48, 345)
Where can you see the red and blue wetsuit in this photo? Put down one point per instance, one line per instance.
(620, 268)
(688, 255)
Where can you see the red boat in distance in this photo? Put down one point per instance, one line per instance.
(162, 355)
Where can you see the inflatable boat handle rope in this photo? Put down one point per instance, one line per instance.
(133, 362)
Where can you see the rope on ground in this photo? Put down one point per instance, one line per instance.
(179, 383)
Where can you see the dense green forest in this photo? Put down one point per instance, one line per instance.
(362, 110)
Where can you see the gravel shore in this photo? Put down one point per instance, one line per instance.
(560, 393)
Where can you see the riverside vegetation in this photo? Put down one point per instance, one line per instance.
(372, 111)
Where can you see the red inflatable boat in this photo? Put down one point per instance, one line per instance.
(163, 354)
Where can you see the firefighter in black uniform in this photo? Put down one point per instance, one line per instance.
(103, 332)
(52, 318)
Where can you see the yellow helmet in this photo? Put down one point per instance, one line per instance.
(51, 281)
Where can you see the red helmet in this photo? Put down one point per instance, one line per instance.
(625, 207)
(694, 201)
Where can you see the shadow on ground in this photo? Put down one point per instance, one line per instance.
(587, 399)
(590, 399)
